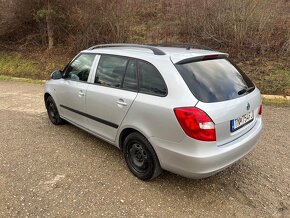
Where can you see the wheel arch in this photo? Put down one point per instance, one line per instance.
(124, 133)
(127, 131)
(46, 95)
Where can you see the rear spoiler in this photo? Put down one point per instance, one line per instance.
(203, 58)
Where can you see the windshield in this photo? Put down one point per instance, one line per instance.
(215, 80)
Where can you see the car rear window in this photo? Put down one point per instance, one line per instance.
(214, 80)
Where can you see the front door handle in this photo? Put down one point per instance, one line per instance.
(81, 93)
(121, 102)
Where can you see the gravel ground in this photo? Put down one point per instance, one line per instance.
(62, 171)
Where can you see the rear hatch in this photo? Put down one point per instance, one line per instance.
(224, 92)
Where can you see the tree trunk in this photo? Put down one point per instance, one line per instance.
(49, 26)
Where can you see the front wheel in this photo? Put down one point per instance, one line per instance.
(53, 112)
(140, 157)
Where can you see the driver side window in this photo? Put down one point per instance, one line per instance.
(79, 69)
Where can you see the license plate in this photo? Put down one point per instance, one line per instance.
(242, 121)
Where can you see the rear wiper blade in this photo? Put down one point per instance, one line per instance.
(249, 89)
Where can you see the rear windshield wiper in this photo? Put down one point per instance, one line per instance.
(244, 90)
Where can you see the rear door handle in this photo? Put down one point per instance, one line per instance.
(81, 93)
(121, 102)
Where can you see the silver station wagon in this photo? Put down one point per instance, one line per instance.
(189, 111)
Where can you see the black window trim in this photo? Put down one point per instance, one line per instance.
(138, 77)
(121, 87)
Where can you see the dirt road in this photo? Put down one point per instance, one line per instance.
(62, 171)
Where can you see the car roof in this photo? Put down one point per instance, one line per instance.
(176, 54)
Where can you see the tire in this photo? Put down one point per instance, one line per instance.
(53, 112)
(140, 157)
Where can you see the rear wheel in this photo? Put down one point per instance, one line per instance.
(53, 112)
(140, 157)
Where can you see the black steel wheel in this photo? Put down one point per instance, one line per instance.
(140, 157)
(53, 112)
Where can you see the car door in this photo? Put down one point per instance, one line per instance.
(110, 97)
(73, 88)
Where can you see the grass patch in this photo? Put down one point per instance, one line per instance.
(276, 102)
(15, 65)
(10, 78)
(271, 77)
(37, 65)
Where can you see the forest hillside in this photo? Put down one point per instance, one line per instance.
(39, 35)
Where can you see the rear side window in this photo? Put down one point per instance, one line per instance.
(214, 80)
(150, 80)
(130, 79)
(111, 70)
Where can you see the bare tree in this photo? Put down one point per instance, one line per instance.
(49, 25)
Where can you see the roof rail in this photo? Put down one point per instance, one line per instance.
(155, 50)
(188, 46)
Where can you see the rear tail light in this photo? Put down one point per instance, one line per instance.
(196, 123)
(260, 109)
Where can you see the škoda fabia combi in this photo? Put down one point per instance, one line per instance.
(189, 111)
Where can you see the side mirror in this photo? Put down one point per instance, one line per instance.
(56, 75)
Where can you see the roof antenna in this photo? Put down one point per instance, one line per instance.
(188, 47)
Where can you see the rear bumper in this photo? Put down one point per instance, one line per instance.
(195, 159)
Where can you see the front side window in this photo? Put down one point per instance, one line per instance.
(150, 80)
(79, 69)
(111, 70)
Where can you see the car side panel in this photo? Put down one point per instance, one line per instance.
(108, 106)
(72, 100)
